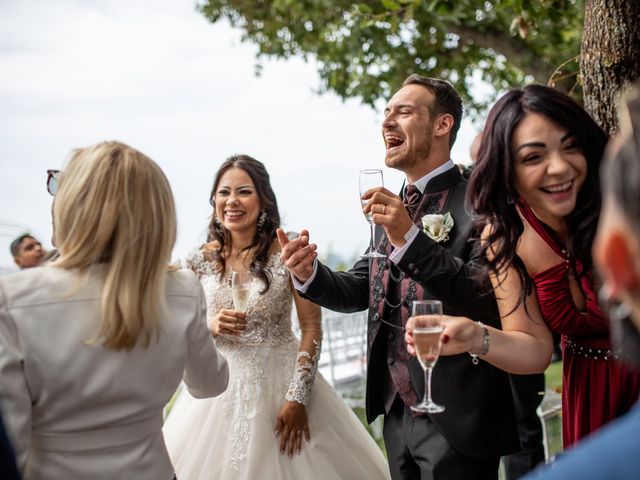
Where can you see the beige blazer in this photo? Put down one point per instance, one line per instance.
(75, 410)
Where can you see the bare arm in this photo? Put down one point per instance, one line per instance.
(523, 346)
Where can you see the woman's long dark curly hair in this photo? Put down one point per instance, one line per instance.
(265, 235)
(491, 193)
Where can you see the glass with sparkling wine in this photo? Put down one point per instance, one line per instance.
(369, 179)
(241, 289)
(427, 327)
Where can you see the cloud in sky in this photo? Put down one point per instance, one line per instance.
(160, 77)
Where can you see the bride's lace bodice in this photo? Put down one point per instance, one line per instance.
(268, 315)
(264, 358)
(268, 321)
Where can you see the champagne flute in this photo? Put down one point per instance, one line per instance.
(241, 289)
(427, 327)
(369, 179)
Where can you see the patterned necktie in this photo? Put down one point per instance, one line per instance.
(411, 199)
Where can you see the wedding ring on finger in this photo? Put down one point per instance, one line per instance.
(384, 209)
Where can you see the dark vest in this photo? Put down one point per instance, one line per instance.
(391, 297)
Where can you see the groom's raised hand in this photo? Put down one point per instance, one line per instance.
(298, 254)
(387, 210)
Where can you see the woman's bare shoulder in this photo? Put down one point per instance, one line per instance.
(534, 251)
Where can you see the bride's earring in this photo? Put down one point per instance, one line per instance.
(261, 219)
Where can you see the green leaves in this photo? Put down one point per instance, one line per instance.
(391, 5)
(366, 49)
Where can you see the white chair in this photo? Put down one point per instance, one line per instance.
(550, 413)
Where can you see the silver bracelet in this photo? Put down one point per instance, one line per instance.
(484, 349)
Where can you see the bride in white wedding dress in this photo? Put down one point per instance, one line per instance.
(278, 419)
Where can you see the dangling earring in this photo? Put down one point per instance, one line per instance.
(510, 199)
(261, 219)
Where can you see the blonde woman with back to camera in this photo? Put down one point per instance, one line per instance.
(93, 345)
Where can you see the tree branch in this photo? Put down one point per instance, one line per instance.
(515, 50)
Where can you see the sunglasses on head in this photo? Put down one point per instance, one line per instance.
(53, 176)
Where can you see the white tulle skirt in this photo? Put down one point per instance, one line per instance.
(232, 436)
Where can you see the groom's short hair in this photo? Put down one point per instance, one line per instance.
(447, 100)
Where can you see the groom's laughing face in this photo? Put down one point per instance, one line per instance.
(407, 127)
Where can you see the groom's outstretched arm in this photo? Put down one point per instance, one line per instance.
(339, 291)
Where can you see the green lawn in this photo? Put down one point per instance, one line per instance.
(553, 376)
(553, 380)
(359, 411)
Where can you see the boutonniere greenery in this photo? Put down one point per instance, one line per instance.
(437, 227)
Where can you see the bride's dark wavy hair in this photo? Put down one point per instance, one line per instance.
(265, 235)
(492, 195)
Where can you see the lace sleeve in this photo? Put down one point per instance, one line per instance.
(309, 353)
(302, 382)
(196, 262)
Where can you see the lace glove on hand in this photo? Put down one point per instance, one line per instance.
(302, 382)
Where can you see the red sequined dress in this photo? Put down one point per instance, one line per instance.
(596, 388)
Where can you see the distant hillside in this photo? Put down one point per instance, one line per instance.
(337, 262)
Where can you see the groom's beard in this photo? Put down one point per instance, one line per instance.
(626, 340)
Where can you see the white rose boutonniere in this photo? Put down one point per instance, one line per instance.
(437, 227)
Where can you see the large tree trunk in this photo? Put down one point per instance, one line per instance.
(610, 56)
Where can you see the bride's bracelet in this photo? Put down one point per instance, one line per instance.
(484, 348)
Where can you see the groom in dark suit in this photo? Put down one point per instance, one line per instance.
(465, 441)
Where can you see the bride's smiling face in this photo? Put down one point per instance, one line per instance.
(237, 204)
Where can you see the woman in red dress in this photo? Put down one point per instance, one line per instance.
(535, 190)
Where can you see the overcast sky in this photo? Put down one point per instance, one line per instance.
(159, 77)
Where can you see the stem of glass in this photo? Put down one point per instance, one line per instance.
(427, 381)
(373, 233)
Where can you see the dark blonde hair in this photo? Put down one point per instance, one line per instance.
(115, 207)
